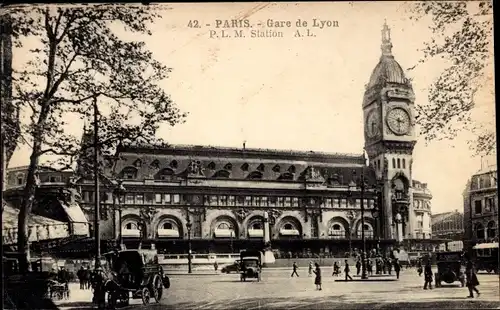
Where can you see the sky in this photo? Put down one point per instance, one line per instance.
(300, 93)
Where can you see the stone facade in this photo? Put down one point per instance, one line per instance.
(448, 225)
(481, 208)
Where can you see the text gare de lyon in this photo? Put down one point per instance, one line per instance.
(272, 23)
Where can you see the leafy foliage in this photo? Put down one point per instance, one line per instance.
(462, 36)
(78, 59)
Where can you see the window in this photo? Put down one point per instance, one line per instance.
(257, 225)
(139, 199)
(54, 179)
(177, 198)
(336, 231)
(167, 198)
(158, 198)
(256, 201)
(394, 163)
(129, 199)
(131, 226)
(288, 201)
(248, 200)
(168, 225)
(240, 200)
(491, 232)
(279, 202)
(478, 206)
(288, 226)
(378, 164)
(420, 224)
(231, 201)
(213, 200)
(489, 202)
(399, 163)
(272, 201)
(295, 202)
(244, 167)
(328, 202)
(404, 163)
(479, 231)
(222, 200)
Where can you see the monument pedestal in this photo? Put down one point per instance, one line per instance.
(268, 258)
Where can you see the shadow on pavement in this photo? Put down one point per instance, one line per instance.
(83, 305)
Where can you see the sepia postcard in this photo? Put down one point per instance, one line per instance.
(288, 155)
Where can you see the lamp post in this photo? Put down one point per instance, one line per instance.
(188, 226)
(118, 194)
(376, 215)
(362, 186)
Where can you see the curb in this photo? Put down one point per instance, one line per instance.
(368, 280)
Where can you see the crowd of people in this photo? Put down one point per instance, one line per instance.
(385, 266)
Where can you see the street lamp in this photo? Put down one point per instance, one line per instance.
(188, 226)
(362, 186)
(118, 194)
(376, 215)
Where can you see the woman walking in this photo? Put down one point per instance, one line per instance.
(317, 279)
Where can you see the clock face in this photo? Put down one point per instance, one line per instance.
(398, 121)
(372, 125)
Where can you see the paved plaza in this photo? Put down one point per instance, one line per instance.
(278, 291)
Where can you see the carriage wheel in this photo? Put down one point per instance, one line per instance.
(157, 289)
(146, 295)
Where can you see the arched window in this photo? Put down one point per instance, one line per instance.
(404, 163)
(256, 228)
(168, 228)
(225, 229)
(336, 231)
(368, 231)
(224, 226)
(491, 230)
(257, 225)
(131, 229)
(129, 173)
(399, 163)
(479, 231)
(394, 163)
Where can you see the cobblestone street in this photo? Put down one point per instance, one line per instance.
(278, 291)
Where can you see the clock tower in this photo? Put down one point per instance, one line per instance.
(389, 126)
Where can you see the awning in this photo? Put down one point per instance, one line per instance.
(224, 233)
(256, 233)
(492, 245)
(171, 233)
(136, 233)
(289, 232)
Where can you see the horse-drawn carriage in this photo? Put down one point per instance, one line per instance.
(136, 273)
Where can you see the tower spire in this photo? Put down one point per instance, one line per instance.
(386, 40)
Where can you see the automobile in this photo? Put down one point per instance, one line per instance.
(134, 271)
(250, 265)
(486, 257)
(450, 268)
(234, 267)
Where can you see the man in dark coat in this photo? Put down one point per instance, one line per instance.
(397, 267)
(347, 270)
(81, 274)
(358, 267)
(472, 280)
(295, 269)
(428, 275)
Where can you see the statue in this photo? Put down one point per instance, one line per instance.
(147, 213)
(241, 214)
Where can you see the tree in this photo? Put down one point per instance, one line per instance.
(77, 57)
(463, 37)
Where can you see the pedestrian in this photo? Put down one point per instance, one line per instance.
(347, 270)
(397, 267)
(216, 266)
(317, 279)
(310, 268)
(428, 275)
(81, 277)
(295, 269)
(358, 267)
(336, 268)
(419, 268)
(370, 267)
(86, 278)
(472, 280)
(389, 266)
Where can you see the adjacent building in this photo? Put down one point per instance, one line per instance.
(448, 225)
(481, 208)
